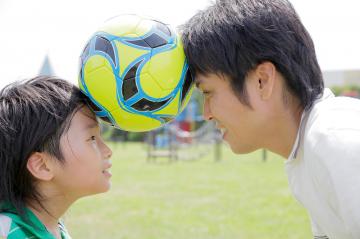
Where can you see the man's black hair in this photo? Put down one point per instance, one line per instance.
(232, 37)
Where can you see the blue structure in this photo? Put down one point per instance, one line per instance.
(46, 68)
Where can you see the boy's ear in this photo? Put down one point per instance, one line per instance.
(40, 166)
(266, 75)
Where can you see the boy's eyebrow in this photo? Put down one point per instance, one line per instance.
(93, 124)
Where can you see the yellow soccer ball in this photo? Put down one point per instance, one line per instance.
(135, 73)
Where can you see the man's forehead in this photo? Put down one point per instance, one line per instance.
(201, 79)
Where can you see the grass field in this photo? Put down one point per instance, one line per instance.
(238, 197)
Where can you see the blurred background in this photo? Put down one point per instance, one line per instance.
(179, 181)
(32, 30)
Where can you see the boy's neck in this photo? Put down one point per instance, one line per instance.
(55, 209)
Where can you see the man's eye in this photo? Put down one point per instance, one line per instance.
(92, 138)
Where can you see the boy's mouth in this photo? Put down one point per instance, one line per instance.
(106, 171)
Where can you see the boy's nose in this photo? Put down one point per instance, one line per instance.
(107, 152)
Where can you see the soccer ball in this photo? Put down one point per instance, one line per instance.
(135, 73)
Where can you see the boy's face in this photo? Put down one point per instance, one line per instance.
(87, 158)
(241, 125)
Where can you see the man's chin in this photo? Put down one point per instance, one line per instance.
(240, 149)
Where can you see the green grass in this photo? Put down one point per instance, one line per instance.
(238, 197)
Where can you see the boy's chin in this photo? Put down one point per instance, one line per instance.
(103, 189)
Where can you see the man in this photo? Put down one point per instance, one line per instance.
(256, 65)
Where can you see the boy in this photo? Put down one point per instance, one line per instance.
(51, 154)
(256, 65)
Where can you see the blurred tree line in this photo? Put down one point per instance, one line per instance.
(347, 90)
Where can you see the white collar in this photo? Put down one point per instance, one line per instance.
(304, 117)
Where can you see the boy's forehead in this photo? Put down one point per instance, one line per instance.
(88, 112)
(87, 116)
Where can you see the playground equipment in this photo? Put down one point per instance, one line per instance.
(174, 143)
(189, 137)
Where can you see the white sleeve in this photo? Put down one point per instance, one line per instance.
(316, 230)
(338, 151)
(5, 224)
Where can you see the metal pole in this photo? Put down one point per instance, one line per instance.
(264, 155)
(217, 149)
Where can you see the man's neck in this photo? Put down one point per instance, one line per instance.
(284, 132)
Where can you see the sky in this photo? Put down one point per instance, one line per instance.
(29, 30)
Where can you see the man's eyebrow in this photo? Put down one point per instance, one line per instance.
(197, 82)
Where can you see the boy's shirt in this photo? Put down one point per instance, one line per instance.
(12, 226)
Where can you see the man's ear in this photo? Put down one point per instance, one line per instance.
(266, 76)
(40, 166)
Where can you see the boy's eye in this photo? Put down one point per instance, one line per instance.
(93, 138)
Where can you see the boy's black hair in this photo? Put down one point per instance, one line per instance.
(34, 114)
(232, 37)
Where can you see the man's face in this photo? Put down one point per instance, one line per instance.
(240, 124)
